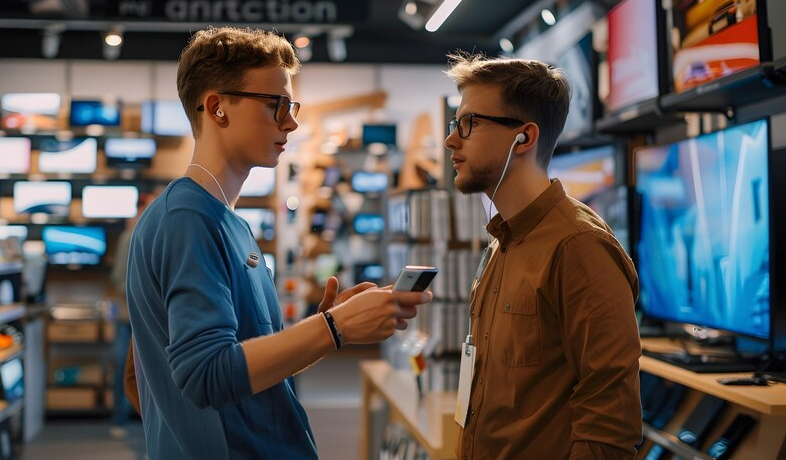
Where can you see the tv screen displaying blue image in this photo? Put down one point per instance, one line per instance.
(704, 248)
(383, 134)
(74, 156)
(84, 113)
(12, 378)
(67, 245)
(369, 182)
(586, 172)
(578, 64)
(372, 272)
(165, 118)
(368, 224)
(42, 197)
(611, 205)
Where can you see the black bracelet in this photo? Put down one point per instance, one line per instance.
(338, 337)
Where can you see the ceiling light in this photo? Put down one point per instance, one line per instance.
(442, 13)
(302, 41)
(337, 44)
(113, 39)
(113, 42)
(411, 8)
(548, 17)
(506, 45)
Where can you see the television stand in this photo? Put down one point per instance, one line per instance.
(702, 363)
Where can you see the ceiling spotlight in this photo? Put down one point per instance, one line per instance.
(411, 8)
(415, 13)
(548, 17)
(113, 42)
(506, 45)
(50, 42)
(302, 41)
(337, 44)
(113, 39)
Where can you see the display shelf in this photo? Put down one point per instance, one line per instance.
(742, 88)
(647, 116)
(583, 141)
(429, 420)
(672, 443)
(770, 400)
(12, 312)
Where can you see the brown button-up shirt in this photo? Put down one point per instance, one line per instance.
(557, 367)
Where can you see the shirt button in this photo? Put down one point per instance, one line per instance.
(507, 307)
(481, 381)
(486, 335)
(494, 290)
(472, 412)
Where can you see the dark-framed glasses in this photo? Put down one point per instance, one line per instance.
(284, 104)
(464, 123)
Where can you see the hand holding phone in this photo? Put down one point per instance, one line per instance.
(415, 278)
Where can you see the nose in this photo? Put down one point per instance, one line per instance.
(289, 123)
(452, 141)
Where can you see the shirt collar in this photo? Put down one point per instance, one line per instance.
(518, 226)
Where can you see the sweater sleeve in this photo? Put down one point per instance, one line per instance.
(205, 356)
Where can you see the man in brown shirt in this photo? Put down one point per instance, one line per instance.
(556, 374)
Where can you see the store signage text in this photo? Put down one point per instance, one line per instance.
(280, 11)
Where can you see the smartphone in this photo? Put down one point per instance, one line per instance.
(414, 278)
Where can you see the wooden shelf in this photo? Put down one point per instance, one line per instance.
(428, 420)
(770, 400)
(11, 312)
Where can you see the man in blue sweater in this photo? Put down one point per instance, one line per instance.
(213, 361)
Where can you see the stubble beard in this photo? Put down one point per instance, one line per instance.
(481, 179)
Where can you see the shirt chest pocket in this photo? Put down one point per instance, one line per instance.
(257, 301)
(516, 335)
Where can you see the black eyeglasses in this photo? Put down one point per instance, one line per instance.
(464, 123)
(284, 104)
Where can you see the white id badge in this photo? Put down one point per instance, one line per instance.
(465, 382)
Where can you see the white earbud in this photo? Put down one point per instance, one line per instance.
(521, 138)
(220, 113)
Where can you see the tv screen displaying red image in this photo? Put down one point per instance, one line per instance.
(633, 53)
(712, 39)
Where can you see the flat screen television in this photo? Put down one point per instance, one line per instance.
(164, 118)
(612, 204)
(29, 111)
(585, 172)
(12, 378)
(712, 39)
(76, 156)
(42, 197)
(67, 245)
(379, 133)
(704, 243)
(369, 182)
(372, 272)
(94, 112)
(261, 220)
(368, 224)
(109, 201)
(633, 53)
(14, 155)
(16, 231)
(578, 62)
(129, 152)
(260, 182)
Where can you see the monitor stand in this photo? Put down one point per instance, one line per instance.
(703, 363)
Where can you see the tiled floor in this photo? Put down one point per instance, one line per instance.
(329, 390)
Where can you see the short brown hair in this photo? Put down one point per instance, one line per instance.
(531, 91)
(217, 59)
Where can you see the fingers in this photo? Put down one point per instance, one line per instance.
(329, 298)
(347, 294)
(412, 298)
(407, 311)
(401, 324)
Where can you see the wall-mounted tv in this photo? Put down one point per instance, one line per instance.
(372, 272)
(712, 39)
(369, 182)
(633, 53)
(67, 245)
(704, 246)
(29, 111)
(75, 156)
(129, 152)
(42, 197)
(260, 182)
(261, 220)
(379, 133)
(95, 112)
(14, 155)
(578, 62)
(109, 201)
(164, 118)
(16, 231)
(368, 224)
(586, 172)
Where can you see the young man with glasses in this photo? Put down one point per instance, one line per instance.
(552, 357)
(213, 362)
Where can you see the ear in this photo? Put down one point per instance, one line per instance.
(531, 133)
(212, 102)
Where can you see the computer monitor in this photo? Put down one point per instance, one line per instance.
(633, 53)
(76, 156)
(586, 172)
(260, 182)
(67, 245)
(29, 111)
(42, 197)
(580, 67)
(12, 378)
(372, 272)
(704, 244)
(261, 220)
(379, 133)
(369, 182)
(711, 40)
(109, 201)
(612, 205)
(15, 155)
(129, 152)
(94, 112)
(368, 224)
(164, 118)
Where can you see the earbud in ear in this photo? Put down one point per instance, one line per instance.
(220, 113)
(521, 138)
